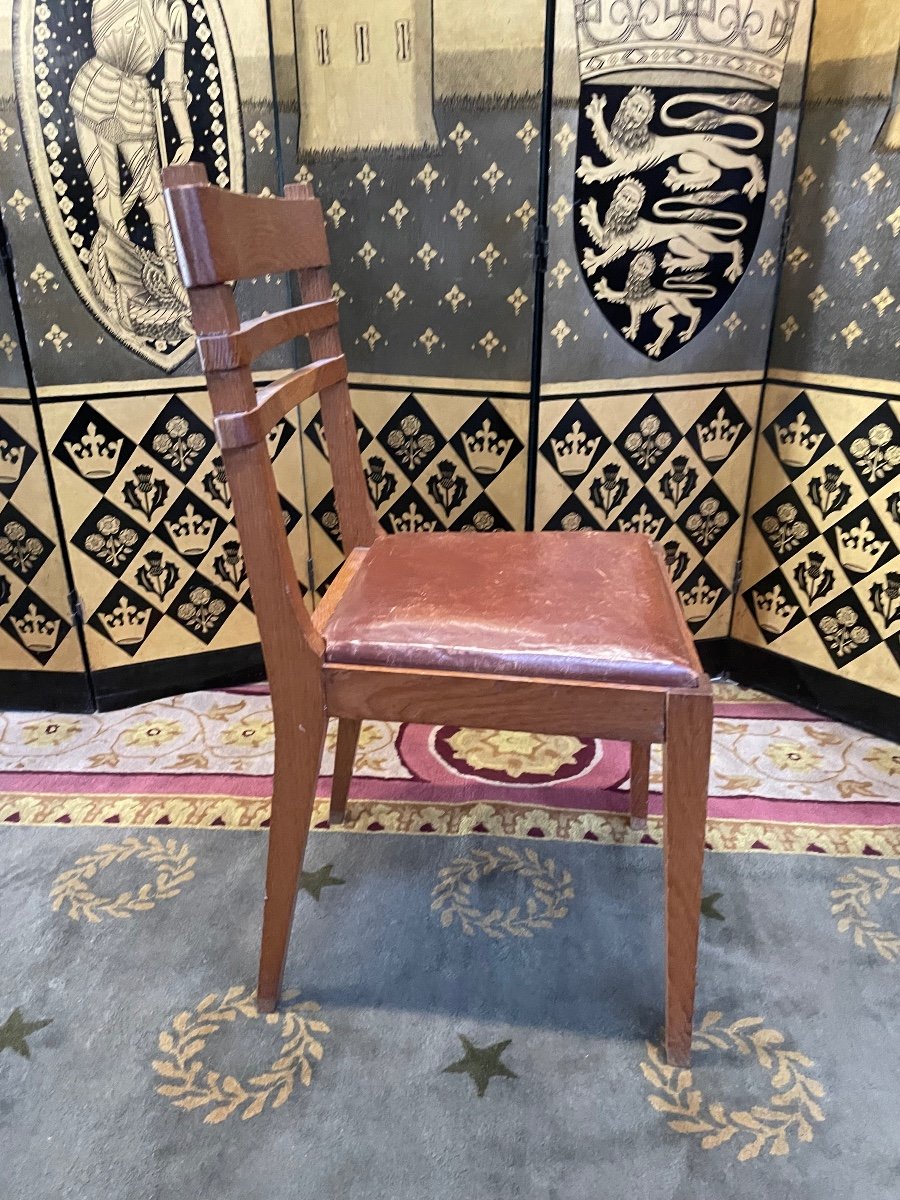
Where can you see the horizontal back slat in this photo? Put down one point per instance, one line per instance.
(274, 402)
(226, 351)
(221, 236)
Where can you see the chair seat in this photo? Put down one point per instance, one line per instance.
(584, 605)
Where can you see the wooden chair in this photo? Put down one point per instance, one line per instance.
(576, 633)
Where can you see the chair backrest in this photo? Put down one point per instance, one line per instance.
(222, 236)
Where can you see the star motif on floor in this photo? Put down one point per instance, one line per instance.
(708, 906)
(482, 1063)
(314, 881)
(15, 1030)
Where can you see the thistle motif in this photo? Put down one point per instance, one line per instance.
(886, 598)
(679, 482)
(814, 579)
(828, 492)
(157, 576)
(609, 490)
(229, 565)
(215, 483)
(675, 559)
(381, 484)
(446, 488)
(144, 492)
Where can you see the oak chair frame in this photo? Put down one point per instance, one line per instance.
(221, 236)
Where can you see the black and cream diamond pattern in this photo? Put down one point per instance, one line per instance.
(156, 556)
(822, 552)
(430, 462)
(672, 465)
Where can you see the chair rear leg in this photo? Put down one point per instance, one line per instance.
(344, 755)
(298, 756)
(640, 783)
(685, 787)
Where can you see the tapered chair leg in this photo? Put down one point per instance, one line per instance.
(640, 783)
(344, 754)
(298, 755)
(685, 785)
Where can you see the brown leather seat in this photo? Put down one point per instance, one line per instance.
(582, 605)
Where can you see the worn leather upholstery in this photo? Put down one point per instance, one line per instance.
(581, 605)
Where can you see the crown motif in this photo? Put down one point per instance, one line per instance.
(126, 624)
(699, 602)
(773, 612)
(11, 459)
(643, 521)
(748, 41)
(37, 632)
(796, 442)
(485, 449)
(94, 457)
(574, 451)
(191, 534)
(412, 521)
(858, 548)
(718, 437)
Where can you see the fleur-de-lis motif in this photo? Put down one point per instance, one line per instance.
(813, 578)
(145, 493)
(784, 530)
(446, 487)
(157, 576)
(409, 443)
(842, 633)
(828, 492)
(111, 543)
(178, 446)
(609, 490)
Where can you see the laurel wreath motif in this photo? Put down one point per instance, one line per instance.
(863, 887)
(550, 885)
(174, 867)
(191, 1086)
(790, 1112)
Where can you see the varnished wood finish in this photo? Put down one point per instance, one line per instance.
(273, 403)
(220, 237)
(685, 784)
(483, 701)
(225, 351)
(640, 783)
(344, 754)
(235, 236)
(326, 606)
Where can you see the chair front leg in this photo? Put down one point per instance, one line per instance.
(344, 755)
(640, 784)
(685, 788)
(298, 756)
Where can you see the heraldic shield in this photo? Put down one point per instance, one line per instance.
(110, 91)
(676, 121)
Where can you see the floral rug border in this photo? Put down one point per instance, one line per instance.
(504, 820)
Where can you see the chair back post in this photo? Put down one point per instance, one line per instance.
(358, 524)
(292, 646)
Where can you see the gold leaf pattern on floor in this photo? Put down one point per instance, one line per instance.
(173, 864)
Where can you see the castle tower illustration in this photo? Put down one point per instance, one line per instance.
(366, 74)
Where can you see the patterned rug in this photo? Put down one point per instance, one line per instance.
(782, 779)
(493, 988)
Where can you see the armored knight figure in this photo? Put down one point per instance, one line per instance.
(118, 113)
